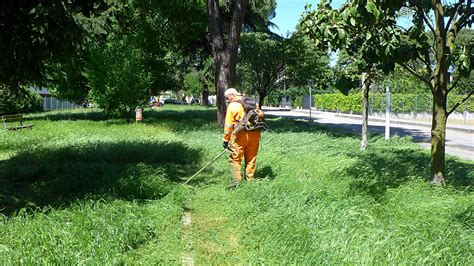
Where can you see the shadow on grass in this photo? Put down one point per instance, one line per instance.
(265, 172)
(176, 119)
(283, 124)
(352, 128)
(376, 171)
(126, 170)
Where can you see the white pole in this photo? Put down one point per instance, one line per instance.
(387, 114)
(309, 87)
(464, 114)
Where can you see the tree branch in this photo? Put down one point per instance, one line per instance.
(274, 75)
(460, 23)
(427, 60)
(454, 16)
(427, 21)
(454, 84)
(461, 102)
(413, 72)
(465, 17)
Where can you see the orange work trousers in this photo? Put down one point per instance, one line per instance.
(244, 145)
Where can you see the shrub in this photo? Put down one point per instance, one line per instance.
(19, 100)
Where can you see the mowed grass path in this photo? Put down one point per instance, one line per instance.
(83, 188)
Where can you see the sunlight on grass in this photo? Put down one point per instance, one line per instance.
(83, 188)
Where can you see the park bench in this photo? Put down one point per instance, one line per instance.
(14, 118)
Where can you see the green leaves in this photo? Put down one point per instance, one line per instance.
(353, 21)
(372, 8)
(267, 64)
(341, 34)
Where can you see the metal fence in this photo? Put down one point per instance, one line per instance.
(52, 103)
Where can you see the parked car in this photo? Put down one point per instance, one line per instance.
(172, 101)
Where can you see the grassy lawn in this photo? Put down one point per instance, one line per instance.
(83, 188)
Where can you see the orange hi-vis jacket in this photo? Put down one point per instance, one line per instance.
(235, 112)
(244, 145)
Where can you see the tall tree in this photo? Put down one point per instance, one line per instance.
(438, 54)
(226, 20)
(446, 55)
(362, 31)
(263, 63)
(225, 51)
(269, 63)
(133, 64)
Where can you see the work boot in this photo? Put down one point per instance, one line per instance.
(249, 177)
(235, 170)
(233, 184)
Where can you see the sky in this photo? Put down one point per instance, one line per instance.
(288, 13)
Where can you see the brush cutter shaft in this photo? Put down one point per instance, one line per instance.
(202, 169)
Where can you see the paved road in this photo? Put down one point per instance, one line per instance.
(457, 143)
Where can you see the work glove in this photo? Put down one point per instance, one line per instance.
(225, 145)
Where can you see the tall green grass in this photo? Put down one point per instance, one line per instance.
(325, 202)
(83, 188)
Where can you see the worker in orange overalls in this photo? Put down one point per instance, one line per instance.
(244, 144)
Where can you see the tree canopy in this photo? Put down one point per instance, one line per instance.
(430, 42)
(269, 63)
(34, 34)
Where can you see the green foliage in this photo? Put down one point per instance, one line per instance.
(338, 102)
(308, 64)
(262, 61)
(465, 43)
(19, 100)
(201, 77)
(118, 78)
(269, 64)
(400, 103)
(35, 34)
(400, 81)
(363, 28)
(193, 84)
(132, 65)
(346, 75)
(67, 80)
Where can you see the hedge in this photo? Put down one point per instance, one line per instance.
(400, 103)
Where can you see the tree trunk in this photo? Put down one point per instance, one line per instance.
(222, 78)
(261, 98)
(205, 97)
(438, 125)
(225, 54)
(438, 136)
(440, 94)
(365, 111)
